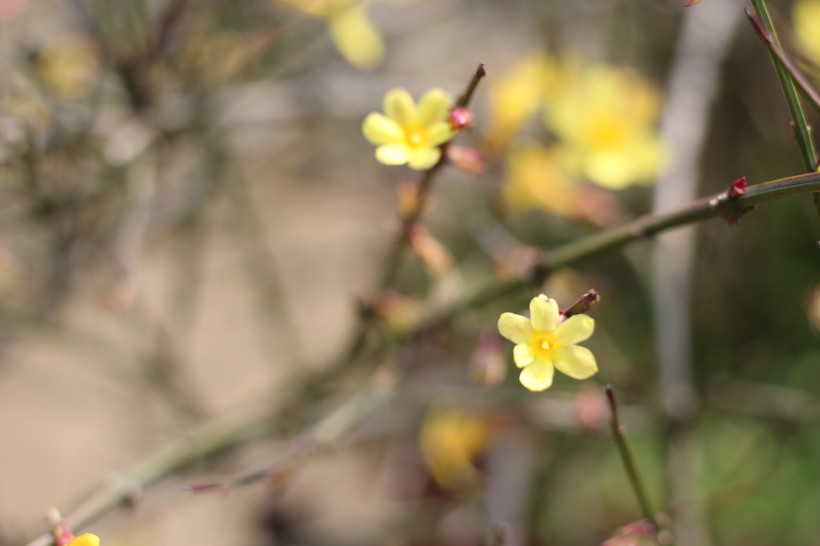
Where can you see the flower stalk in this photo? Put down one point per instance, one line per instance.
(628, 460)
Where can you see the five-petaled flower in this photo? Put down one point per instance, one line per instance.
(408, 133)
(546, 340)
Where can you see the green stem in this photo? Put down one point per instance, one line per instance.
(640, 229)
(628, 460)
(802, 130)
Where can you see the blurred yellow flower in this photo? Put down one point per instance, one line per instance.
(535, 180)
(350, 28)
(70, 67)
(546, 341)
(85, 539)
(606, 120)
(450, 440)
(410, 134)
(515, 97)
(806, 19)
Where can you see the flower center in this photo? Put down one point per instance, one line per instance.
(414, 137)
(545, 344)
(607, 132)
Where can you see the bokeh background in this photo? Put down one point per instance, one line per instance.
(189, 214)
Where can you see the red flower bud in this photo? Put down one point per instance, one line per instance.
(460, 118)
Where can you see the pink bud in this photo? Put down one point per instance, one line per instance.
(460, 118)
(737, 188)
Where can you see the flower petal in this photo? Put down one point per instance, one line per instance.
(515, 328)
(399, 106)
(439, 133)
(576, 362)
(424, 158)
(434, 106)
(85, 539)
(393, 154)
(575, 329)
(356, 38)
(380, 129)
(538, 375)
(544, 314)
(523, 355)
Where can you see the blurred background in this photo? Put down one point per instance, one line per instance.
(190, 219)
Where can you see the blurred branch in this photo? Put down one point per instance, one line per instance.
(800, 125)
(721, 205)
(208, 439)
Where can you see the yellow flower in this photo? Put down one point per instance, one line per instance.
(515, 97)
(605, 118)
(85, 539)
(535, 180)
(450, 440)
(408, 134)
(544, 341)
(806, 17)
(350, 29)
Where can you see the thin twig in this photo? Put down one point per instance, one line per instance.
(802, 129)
(631, 467)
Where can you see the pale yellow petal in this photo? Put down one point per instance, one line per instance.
(355, 38)
(434, 107)
(544, 314)
(423, 158)
(515, 328)
(399, 106)
(575, 361)
(379, 129)
(85, 539)
(523, 355)
(393, 154)
(538, 375)
(575, 329)
(439, 133)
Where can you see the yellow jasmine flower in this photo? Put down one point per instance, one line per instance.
(606, 119)
(806, 18)
(350, 29)
(450, 440)
(535, 180)
(546, 341)
(515, 97)
(85, 539)
(410, 134)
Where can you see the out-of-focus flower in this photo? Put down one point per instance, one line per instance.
(435, 256)
(515, 97)
(546, 341)
(85, 539)
(350, 28)
(410, 134)
(450, 440)
(535, 180)
(806, 20)
(487, 364)
(813, 308)
(69, 67)
(605, 119)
